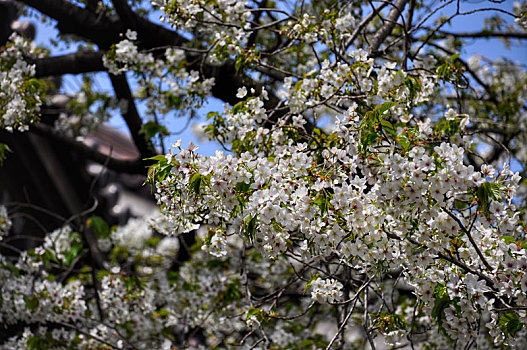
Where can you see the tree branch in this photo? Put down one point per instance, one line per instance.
(72, 19)
(386, 29)
(485, 34)
(469, 235)
(126, 14)
(485, 86)
(75, 63)
(150, 35)
(364, 23)
(131, 115)
(95, 253)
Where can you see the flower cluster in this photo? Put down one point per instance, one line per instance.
(20, 93)
(165, 85)
(30, 297)
(137, 242)
(125, 55)
(59, 242)
(328, 290)
(228, 35)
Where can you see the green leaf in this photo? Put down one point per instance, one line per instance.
(368, 138)
(508, 239)
(99, 227)
(495, 191)
(389, 322)
(442, 70)
(14, 270)
(133, 282)
(237, 146)
(189, 287)
(487, 191)
(172, 276)
(387, 126)
(175, 101)
(413, 85)
(239, 63)
(157, 158)
(442, 301)
(31, 302)
(369, 118)
(73, 253)
(119, 254)
(36, 343)
(403, 141)
(152, 242)
(242, 187)
(250, 223)
(483, 195)
(151, 129)
(231, 293)
(212, 115)
(102, 273)
(384, 107)
(215, 263)
(195, 182)
(460, 205)
(253, 311)
(163, 313)
(321, 201)
(237, 108)
(261, 315)
(157, 172)
(3, 150)
(510, 324)
(308, 284)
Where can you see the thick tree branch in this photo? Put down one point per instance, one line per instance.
(126, 14)
(7, 15)
(131, 115)
(91, 5)
(150, 35)
(75, 63)
(485, 34)
(386, 29)
(407, 36)
(364, 23)
(72, 19)
(102, 30)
